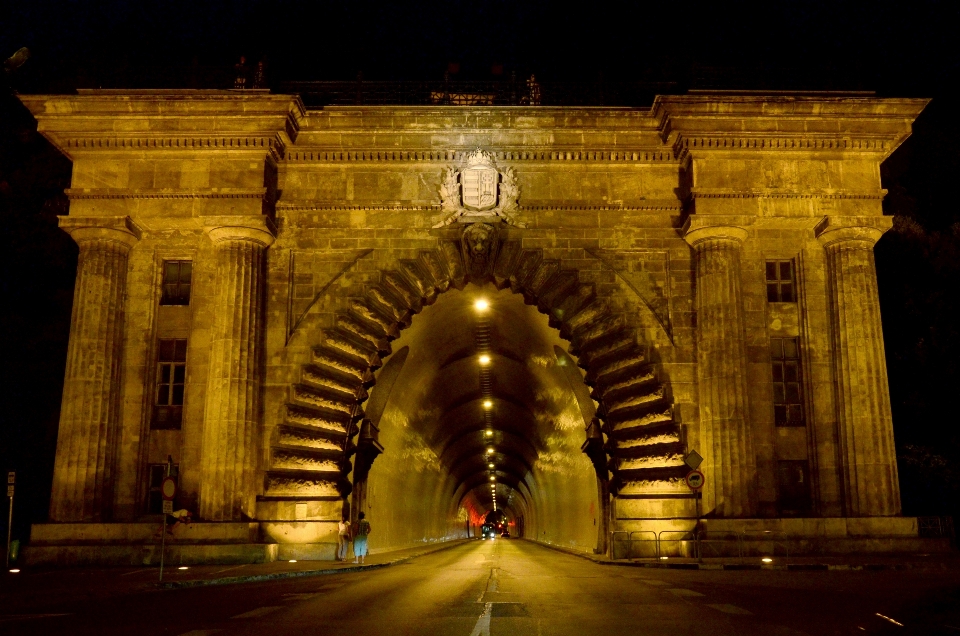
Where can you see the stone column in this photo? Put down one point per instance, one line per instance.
(90, 411)
(868, 461)
(230, 452)
(729, 464)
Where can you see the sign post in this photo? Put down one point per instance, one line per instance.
(695, 481)
(11, 480)
(168, 490)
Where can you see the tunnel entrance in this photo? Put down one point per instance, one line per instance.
(481, 408)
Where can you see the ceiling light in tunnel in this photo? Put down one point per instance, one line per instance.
(481, 304)
(489, 465)
(493, 478)
(484, 359)
(490, 450)
(487, 404)
(489, 432)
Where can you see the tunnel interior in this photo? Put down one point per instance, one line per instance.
(481, 408)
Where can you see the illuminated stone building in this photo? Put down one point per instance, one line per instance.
(282, 301)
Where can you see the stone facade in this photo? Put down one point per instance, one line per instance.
(315, 237)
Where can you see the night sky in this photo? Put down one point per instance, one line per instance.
(893, 48)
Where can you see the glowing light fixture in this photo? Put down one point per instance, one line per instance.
(183, 567)
(484, 359)
(293, 560)
(14, 570)
(489, 465)
(481, 305)
(489, 432)
(490, 450)
(487, 404)
(493, 478)
(767, 560)
(664, 558)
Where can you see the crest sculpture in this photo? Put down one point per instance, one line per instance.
(480, 244)
(478, 191)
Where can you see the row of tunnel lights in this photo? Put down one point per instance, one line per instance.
(482, 305)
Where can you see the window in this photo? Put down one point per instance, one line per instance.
(781, 282)
(793, 487)
(176, 282)
(787, 406)
(171, 373)
(155, 477)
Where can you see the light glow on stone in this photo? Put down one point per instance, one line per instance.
(484, 359)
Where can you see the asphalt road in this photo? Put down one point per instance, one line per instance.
(517, 588)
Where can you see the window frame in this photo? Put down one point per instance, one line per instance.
(775, 286)
(178, 297)
(787, 379)
(171, 370)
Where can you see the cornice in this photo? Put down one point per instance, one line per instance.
(683, 145)
(769, 193)
(307, 206)
(270, 143)
(75, 194)
(638, 155)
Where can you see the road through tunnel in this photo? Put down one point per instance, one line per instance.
(481, 408)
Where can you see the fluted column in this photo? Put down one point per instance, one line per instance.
(90, 411)
(729, 464)
(865, 422)
(231, 421)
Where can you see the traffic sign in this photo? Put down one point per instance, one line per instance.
(11, 476)
(9, 490)
(168, 488)
(167, 506)
(695, 480)
(693, 460)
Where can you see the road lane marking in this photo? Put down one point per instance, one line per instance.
(679, 591)
(136, 571)
(655, 582)
(730, 609)
(299, 597)
(260, 611)
(482, 628)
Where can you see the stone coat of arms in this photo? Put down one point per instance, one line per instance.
(478, 191)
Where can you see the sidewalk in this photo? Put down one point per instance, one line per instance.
(43, 587)
(933, 562)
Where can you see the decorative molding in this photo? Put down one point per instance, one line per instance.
(653, 206)
(642, 155)
(272, 144)
(770, 193)
(75, 194)
(684, 145)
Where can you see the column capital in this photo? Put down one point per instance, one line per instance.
(120, 229)
(256, 229)
(837, 229)
(697, 228)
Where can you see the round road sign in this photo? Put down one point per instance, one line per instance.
(695, 480)
(168, 489)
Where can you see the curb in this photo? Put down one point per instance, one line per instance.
(274, 576)
(787, 567)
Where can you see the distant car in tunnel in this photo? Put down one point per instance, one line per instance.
(488, 531)
(505, 534)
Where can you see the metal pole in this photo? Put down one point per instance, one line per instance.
(163, 542)
(9, 530)
(699, 548)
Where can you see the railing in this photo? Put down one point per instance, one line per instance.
(630, 540)
(527, 92)
(935, 527)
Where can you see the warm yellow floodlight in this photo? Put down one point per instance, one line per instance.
(484, 359)
(481, 305)
(487, 404)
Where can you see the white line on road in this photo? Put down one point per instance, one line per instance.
(679, 591)
(482, 628)
(730, 609)
(260, 611)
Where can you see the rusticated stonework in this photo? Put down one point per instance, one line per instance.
(317, 238)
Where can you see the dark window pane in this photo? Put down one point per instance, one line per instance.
(177, 394)
(780, 415)
(773, 293)
(776, 348)
(180, 353)
(795, 414)
(771, 270)
(786, 293)
(778, 372)
(186, 271)
(163, 394)
(178, 373)
(171, 271)
(166, 350)
(786, 270)
(790, 373)
(793, 393)
(790, 348)
(156, 476)
(165, 373)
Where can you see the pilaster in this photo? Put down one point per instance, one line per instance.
(90, 413)
(230, 451)
(868, 462)
(729, 463)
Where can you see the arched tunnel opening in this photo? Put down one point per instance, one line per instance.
(480, 410)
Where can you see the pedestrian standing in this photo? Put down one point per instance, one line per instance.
(343, 539)
(360, 538)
